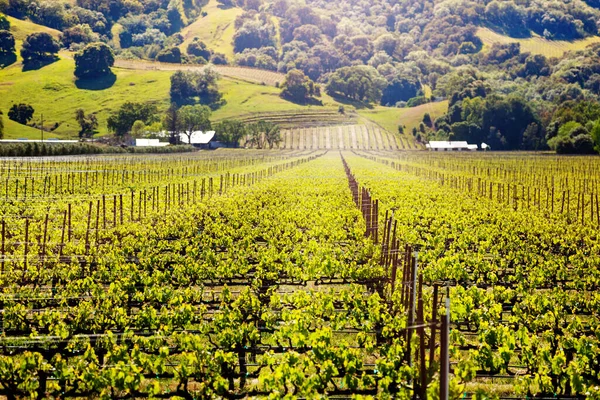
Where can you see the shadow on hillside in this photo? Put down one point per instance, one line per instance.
(97, 83)
(515, 32)
(225, 6)
(7, 59)
(307, 102)
(35, 64)
(359, 105)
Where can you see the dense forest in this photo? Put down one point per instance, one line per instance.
(398, 53)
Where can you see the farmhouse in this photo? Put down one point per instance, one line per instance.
(451, 146)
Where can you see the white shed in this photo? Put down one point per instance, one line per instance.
(149, 143)
(451, 146)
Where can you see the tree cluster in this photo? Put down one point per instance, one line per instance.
(196, 86)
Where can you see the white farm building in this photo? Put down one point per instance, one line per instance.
(451, 146)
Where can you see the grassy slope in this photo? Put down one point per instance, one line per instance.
(389, 118)
(52, 91)
(216, 29)
(21, 29)
(244, 98)
(537, 44)
(14, 130)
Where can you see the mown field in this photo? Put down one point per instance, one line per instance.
(536, 44)
(256, 273)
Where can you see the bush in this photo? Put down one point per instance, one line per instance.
(583, 144)
(564, 145)
(218, 59)
(417, 101)
(198, 48)
(21, 113)
(171, 55)
(7, 42)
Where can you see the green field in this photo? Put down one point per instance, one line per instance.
(536, 44)
(390, 118)
(216, 29)
(52, 91)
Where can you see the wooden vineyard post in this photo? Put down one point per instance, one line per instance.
(3, 243)
(394, 260)
(591, 208)
(412, 305)
(97, 221)
(45, 240)
(140, 206)
(26, 252)
(376, 219)
(62, 236)
(421, 333)
(103, 211)
(433, 328)
(121, 206)
(597, 209)
(444, 351)
(70, 230)
(131, 209)
(87, 231)
(577, 209)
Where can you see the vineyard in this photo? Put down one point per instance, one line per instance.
(302, 273)
(343, 137)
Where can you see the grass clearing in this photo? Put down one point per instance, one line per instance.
(536, 44)
(216, 29)
(21, 29)
(253, 75)
(14, 130)
(390, 118)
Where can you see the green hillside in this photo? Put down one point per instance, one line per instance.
(21, 29)
(53, 92)
(390, 118)
(216, 29)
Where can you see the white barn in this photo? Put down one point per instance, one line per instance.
(198, 137)
(451, 146)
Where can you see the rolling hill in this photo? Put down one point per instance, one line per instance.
(250, 94)
(52, 91)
